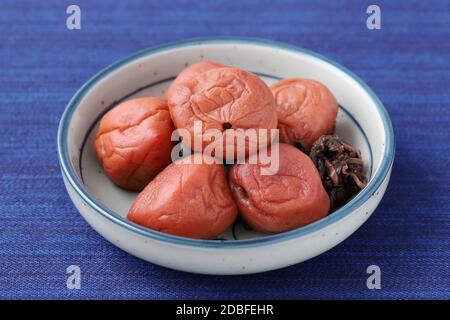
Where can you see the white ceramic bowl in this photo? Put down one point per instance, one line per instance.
(362, 121)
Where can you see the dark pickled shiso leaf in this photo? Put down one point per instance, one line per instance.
(340, 167)
(302, 148)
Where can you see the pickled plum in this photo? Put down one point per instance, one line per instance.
(186, 199)
(189, 73)
(291, 198)
(306, 110)
(223, 99)
(133, 142)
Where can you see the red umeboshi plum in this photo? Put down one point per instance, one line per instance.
(189, 198)
(291, 198)
(226, 100)
(306, 110)
(133, 141)
(189, 73)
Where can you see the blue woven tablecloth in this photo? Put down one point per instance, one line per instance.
(42, 64)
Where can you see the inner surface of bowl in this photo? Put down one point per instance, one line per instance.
(150, 72)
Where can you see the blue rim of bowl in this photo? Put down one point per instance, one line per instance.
(71, 176)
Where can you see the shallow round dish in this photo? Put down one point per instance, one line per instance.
(362, 121)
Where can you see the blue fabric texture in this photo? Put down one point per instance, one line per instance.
(42, 64)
